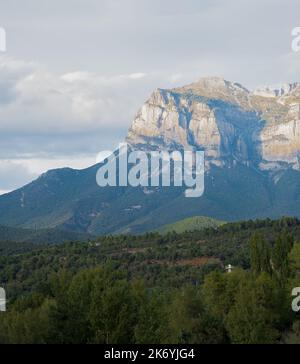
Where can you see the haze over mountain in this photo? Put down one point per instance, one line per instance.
(251, 141)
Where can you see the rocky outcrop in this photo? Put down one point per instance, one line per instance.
(226, 120)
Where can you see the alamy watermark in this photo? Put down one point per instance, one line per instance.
(2, 40)
(126, 167)
(2, 299)
(296, 40)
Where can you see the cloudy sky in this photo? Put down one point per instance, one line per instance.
(76, 71)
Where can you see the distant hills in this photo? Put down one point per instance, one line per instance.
(252, 149)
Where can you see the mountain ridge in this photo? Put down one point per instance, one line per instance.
(252, 151)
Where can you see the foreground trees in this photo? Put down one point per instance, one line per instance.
(101, 305)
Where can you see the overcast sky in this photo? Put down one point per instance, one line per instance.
(76, 71)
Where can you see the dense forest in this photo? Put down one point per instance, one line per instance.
(153, 288)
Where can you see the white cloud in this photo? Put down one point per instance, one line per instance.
(33, 99)
(136, 76)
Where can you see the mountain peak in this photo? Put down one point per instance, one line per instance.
(217, 88)
(215, 83)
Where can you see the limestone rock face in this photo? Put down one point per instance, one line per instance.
(281, 143)
(259, 128)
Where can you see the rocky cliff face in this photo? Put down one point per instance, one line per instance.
(232, 124)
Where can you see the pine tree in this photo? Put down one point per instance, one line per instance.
(280, 256)
(254, 254)
(260, 255)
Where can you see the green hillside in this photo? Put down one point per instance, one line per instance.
(67, 199)
(190, 224)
